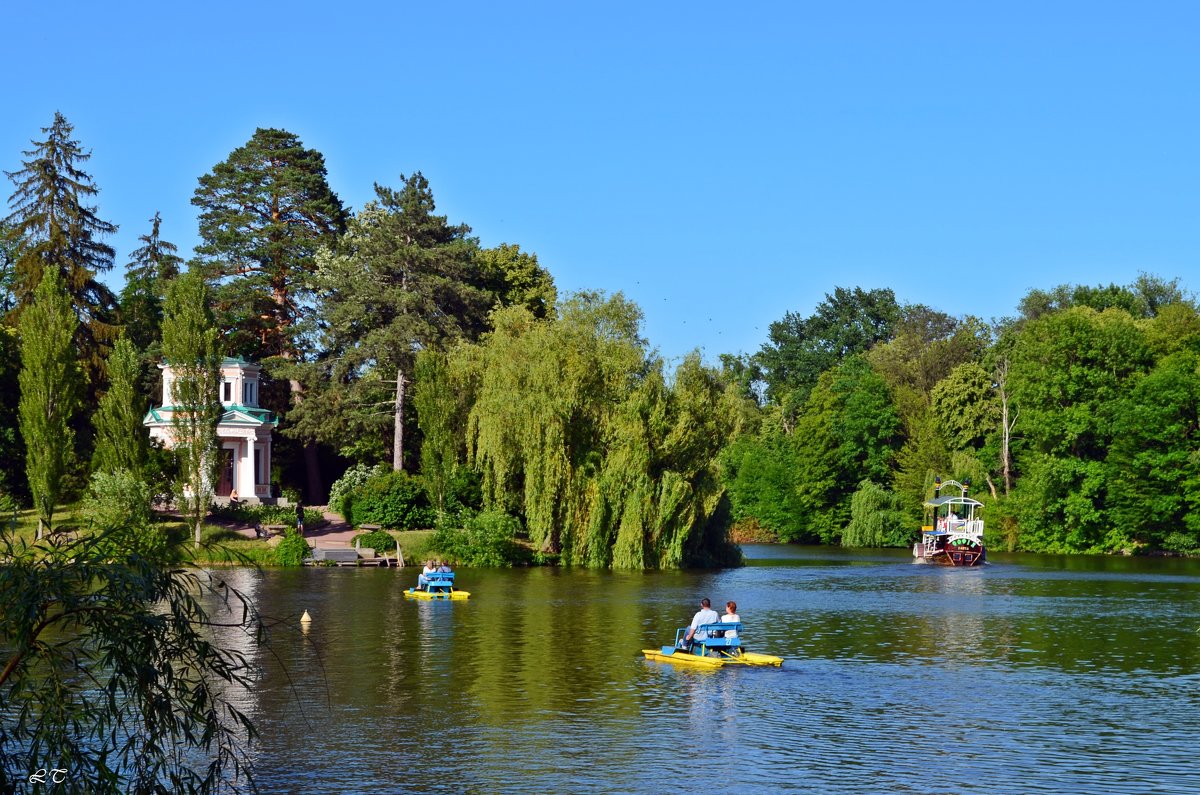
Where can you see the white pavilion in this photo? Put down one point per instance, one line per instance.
(244, 431)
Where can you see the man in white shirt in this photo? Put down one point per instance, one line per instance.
(705, 615)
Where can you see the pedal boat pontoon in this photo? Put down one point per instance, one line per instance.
(440, 586)
(714, 650)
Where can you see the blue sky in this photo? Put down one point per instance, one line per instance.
(721, 165)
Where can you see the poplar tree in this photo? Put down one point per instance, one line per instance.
(147, 274)
(50, 386)
(191, 347)
(56, 229)
(121, 440)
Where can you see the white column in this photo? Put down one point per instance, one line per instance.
(245, 473)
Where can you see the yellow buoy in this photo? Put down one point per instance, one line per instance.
(306, 618)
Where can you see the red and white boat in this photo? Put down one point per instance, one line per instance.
(952, 534)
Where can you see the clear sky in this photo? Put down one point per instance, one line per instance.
(720, 163)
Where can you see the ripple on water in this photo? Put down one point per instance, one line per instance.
(898, 678)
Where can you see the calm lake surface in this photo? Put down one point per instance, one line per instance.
(1034, 674)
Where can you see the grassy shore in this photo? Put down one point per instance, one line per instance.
(219, 545)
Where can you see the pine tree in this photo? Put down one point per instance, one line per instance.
(264, 213)
(50, 386)
(405, 279)
(147, 274)
(57, 230)
(191, 347)
(121, 441)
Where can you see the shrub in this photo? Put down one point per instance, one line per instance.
(292, 550)
(464, 491)
(488, 539)
(118, 507)
(378, 540)
(351, 479)
(393, 499)
(265, 514)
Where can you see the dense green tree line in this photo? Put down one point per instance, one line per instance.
(1076, 421)
(390, 335)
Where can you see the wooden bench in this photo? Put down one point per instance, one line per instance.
(369, 528)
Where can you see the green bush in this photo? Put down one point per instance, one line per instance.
(264, 514)
(162, 472)
(464, 491)
(394, 500)
(292, 550)
(118, 508)
(488, 539)
(351, 479)
(378, 540)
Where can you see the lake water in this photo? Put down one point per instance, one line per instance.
(1034, 674)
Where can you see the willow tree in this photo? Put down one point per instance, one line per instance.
(191, 347)
(437, 409)
(50, 387)
(609, 464)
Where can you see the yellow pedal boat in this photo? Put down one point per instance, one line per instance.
(714, 646)
(439, 585)
(669, 654)
(413, 593)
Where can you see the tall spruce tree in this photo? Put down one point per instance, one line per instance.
(404, 280)
(150, 268)
(56, 229)
(50, 388)
(121, 441)
(264, 213)
(191, 347)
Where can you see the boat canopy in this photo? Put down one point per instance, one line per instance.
(938, 502)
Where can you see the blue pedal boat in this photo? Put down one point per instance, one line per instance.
(713, 646)
(441, 586)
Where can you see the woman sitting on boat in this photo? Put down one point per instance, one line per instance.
(731, 617)
(423, 577)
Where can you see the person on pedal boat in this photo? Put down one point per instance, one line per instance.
(705, 615)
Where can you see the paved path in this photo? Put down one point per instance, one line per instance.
(334, 532)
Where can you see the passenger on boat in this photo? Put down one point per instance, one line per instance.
(443, 566)
(705, 615)
(423, 577)
(730, 617)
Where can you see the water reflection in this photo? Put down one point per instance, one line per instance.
(1036, 674)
